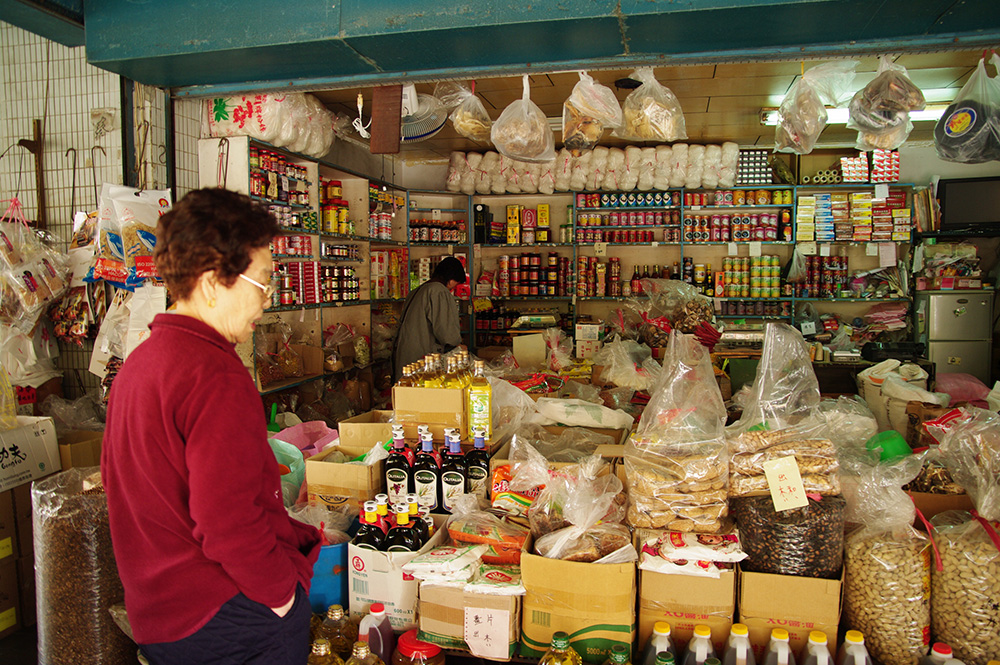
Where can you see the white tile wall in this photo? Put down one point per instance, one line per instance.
(187, 130)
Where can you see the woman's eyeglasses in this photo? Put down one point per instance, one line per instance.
(268, 290)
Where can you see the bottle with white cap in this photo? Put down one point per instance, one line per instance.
(853, 650)
(779, 651)
(817, 650)
(658, 642)
(700, 648)
(738, 649)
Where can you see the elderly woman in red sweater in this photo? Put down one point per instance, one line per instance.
(214, 569)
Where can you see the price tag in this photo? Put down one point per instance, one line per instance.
(754, 247)
(808, 327)
(487, 632)
(807, 248)
(785, 483)
(732, 249)
(656, 244)
(824, 250)
(601, 248)
(477, 250)
(436, 213)
(871, 249)
(887, 255)
(881, 192)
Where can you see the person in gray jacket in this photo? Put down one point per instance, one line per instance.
(429, 323)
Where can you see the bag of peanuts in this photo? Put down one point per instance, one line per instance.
(965, 593)
(887, 562)
(677, 466)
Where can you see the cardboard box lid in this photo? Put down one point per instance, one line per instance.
(763, 595)
(689, 594)
(609, 588)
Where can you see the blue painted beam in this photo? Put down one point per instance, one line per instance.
(58, 20)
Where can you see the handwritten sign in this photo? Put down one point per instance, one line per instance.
(887, 255)
(601, 248)
(487, 632)
(785, 483)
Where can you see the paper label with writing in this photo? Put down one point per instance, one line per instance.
(785, 483)
(487, 632)
(601, 248)
(887, 255)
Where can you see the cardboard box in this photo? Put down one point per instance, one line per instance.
(365, 430)
(378, 577)
(436, 407)
(22, 519)
(31, 451)
(797, 604)
(593, 603)
(10, 610)
(589, 332)
(587, 349)
(8, 527)
(443, 612)
(332, 484)
(80, 448)
(26, 590)
(932, 504)
(312, 365)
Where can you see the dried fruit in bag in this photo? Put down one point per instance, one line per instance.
(881, 110)
(468, 115)
(522, 131)
(590, 109)
(651, 112)
(802, 114)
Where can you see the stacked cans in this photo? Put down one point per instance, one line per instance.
(826, 277)
(592, 234)
(751, 277)
(598, 279)
(629, 218)
(764, 227)
(340, 252)
(380, 225)
(756, 308)
(291, 245)
(532, 275)
(627, 199)
(739, 197)
(436, 230)
(340, 284)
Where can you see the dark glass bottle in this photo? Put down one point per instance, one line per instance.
(427, 476)
(477, 465)
(453, 474)
(402, 537)
(398, 480)
(634, 283)
(419, 522)
(370, 535)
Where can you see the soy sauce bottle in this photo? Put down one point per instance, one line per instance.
(398, 471)
(427, 476)
(452, 474)
(402, 537)
(370, 535)
(477, 464)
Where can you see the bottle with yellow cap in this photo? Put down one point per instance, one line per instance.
(779, 651)
(658, 642)
(853, 650)
(738, 649)
(816, 650)
(700, 647)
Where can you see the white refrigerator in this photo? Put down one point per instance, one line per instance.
(957, 328)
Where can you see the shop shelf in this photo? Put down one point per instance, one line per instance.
(291, 230)
(290, 383)
(293, 206)
(291, 308)
(344, 236)
(281, 175)
(851, 299)
(756, 206)
(439, 209)
(339, 259)
(304, 257)
(426, 243)
(395, 243)
(614, 208)
(346, 303)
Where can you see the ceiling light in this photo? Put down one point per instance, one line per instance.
(840, 116)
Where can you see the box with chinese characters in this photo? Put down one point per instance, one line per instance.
(487, 625)
(684, 602)
(27, 452)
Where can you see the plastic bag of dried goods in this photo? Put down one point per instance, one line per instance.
(881, 110)
(468, 115)
(590, 109)
(969, 130)
(522, 131)
(651, 112)
(802, 114)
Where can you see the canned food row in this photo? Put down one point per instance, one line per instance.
(627, 199)
(759, 308)
(739, 197)
(630, 218)
(292, 245)
(594, 234)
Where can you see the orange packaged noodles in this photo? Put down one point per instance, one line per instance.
(477, 527)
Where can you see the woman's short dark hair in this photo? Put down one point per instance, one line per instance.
(450, 268)
(210, 229)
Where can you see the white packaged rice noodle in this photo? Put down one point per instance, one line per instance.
(496, 580)
(702, 546)
(445, 559)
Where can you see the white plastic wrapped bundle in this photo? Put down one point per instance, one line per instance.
(580, 171)
(614, 169)
(729, 161)
(301, 114)
(629, 176)
(696, 166)
(529, 184)
(471, 175)
(562, 170)
(598, 166)
(664, 162)
(713, 158)
(679, 165)
(456, 167)
(489, 170)
(480, 165)
(647, 167)
(547, 177)
(257, 116)
(512, 171)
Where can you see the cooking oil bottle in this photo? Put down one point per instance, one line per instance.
(362, 655)
(322, 654)
(339, 631)
(477, 466)
(453, 474)
(480, 401)
(700, 648)
(370, 535)
(452, 375)
(738, 649)
(435, 372)
(420, 522)
(658, 642)
(618, 655)
(779, 652)
(816, 651)
(406, 380)
(426, 476)
(853, 650)
(561, 653)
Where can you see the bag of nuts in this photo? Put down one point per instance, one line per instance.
(887, 563)
(677, 466)
(965, 593)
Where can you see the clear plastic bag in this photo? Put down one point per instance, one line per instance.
(679, 301)
(887, 564)
(468, 115)
(969, 130)
(471, 525)
(651, 112)
(590, 475)
(138, 213)
(590, 109)
(522, 132)
(881, 110)
(802, 114)
(332, 523)
(676, 462)
(627, 364)
(575, 412)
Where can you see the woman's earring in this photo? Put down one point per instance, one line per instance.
(211, 302)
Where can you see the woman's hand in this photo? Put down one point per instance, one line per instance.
(283, 610)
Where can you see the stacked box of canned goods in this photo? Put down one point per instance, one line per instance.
(764, 227)
(627, 199)
(532, 275)
(752, 277)
(826, 277)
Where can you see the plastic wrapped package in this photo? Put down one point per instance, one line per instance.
(728, 162)
(695, 166)
(678, 553)
(647, 169)
(494, 580)
(614, 170)
(651, 112)
(888, 566)
(628, 179)
(287, 119)
(468, 115)
(676, 462)
(679, 302)
(576, 412)
(678, 165)
(485, 167)
(713, 163)
(471, 176)
(806, 541)
(531, 175)
(662, 167)
(881, 110)
(598, 166)
(571, 444)
(848, 422)
(8, 402)
(562, 170)
(964, 609)
(456, 167)
(580, 171)
(472, 526)
(560, 349)
(802, 114)
(627, 364)
(522, 131)
(590, 109)
(589, 475)
(75, 572)
(547, 177)
(969, 130)
(333, 524)
(512, 183)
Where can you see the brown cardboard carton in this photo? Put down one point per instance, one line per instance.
(365, 430)
(593, 603)
(8, 527)
(26, 589)
(22, 519)
(797, 604)
(443, 612)
(684, 602)
(932, 504)
(79, 448)
(10, 610)
(333, 484)
(31, 451)
(437, 408)
(312, 365)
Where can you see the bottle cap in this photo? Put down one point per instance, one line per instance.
(382, 499)
(779, 634)
(411, 498)
(713, 661)
(560, 640)
(665, 658)
(335, 611)
(817, 637)
(661, 628)
(378, 609)
(854, 637)
(619, 654)
(702, 631)
(739, 629)
(415, 649)
(942, 648)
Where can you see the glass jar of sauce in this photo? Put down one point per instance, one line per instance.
(411, 651)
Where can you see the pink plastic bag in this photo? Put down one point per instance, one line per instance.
(309, 437)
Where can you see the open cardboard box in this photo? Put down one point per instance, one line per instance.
(312, 365)
(333, 484)
(365, 430)
(437, 408)
(932, 504)
(78, 448)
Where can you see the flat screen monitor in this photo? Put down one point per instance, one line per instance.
(970, 205)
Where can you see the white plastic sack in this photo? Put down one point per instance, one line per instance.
(578, 413)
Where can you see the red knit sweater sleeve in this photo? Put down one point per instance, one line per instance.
(235, 490)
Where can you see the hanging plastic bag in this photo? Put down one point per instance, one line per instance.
(8, 402)
(651, 112)
(676, 462)
(969, 130)
(468, 115)
(522, 131)
(138, 213)
(881, 110)
(590, 109)
(802, 114)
